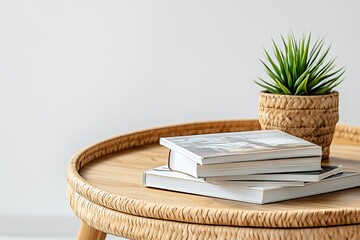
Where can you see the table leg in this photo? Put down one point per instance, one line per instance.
(88, 233)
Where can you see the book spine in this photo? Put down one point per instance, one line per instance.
(170, 145)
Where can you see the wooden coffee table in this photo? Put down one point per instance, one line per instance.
(105, 190)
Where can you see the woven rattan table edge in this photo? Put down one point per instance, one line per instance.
(229, 217)
(137, 227)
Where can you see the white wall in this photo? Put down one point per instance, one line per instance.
(75, 72)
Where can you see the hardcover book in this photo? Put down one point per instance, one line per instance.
(308, 176)
(240, 146)
(164, 178)
(181, 163)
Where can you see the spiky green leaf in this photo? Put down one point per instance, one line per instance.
(299, 67)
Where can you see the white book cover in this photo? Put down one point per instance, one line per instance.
(240, 146)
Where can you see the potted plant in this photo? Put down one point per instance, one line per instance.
(298, 96)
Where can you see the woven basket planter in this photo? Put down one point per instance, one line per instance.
(312, 118)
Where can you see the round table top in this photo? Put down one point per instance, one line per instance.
(110, 174)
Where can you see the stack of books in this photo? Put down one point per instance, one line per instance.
(255, 166)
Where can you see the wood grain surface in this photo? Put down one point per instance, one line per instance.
(122, 174)
(105, 190)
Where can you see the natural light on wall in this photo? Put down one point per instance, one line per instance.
(75, 72)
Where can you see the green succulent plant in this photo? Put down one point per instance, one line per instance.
(300, 68)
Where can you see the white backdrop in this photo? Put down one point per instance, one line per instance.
(75, 72)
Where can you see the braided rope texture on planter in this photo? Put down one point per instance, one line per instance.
(110, 211)
(312, 118)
